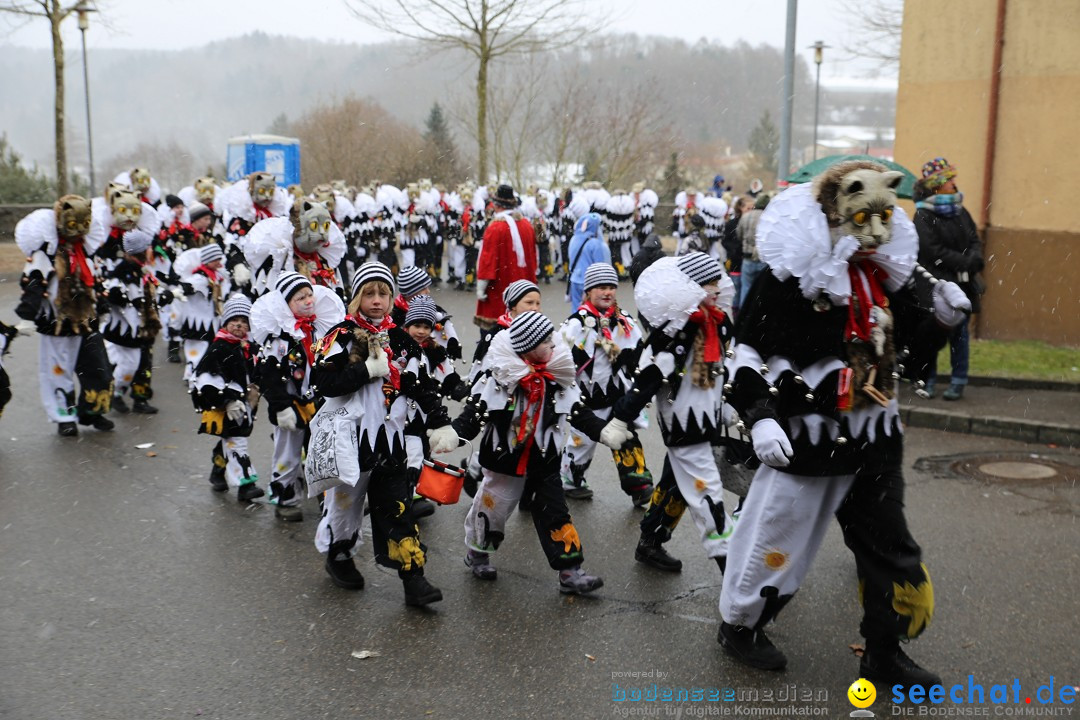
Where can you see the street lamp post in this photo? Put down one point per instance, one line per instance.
(819, 51)
(84, 9)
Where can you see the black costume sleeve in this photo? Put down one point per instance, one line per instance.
(273, 384)
(470, 422)
(335, 376)
(640, 393)
(425, 391)
(33, 293)
(584, 419)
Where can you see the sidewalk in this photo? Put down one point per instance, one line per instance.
(1017, 413)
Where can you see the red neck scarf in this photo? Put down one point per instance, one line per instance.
(307, 325)
(212, 274)
(321, 274)
(611, 312)
(710, 319)
(147, 278)
(77, 264)
(228, 337)
(261, 213)
(533, 385)
(504, 320)
(384, 325)
(116, 233)
(858, 322)
(401, 303)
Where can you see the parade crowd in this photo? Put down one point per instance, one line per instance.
(771, 344)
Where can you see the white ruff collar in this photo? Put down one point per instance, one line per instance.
(508, 368)
(271, 316)
(793, 239)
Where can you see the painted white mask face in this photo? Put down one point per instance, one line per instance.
(262, 188)
(314, 227)
(126, 209)
(865, 201)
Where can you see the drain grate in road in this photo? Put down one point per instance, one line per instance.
(1014, 469)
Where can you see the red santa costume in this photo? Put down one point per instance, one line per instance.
(508, 253)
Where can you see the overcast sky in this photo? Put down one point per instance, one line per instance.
(172, 24)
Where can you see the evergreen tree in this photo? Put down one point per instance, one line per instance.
(17, 183)
(443, 166)
(764, 144)
(280, 126)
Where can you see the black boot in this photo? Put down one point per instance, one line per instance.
(174, 351)
(217, 479)
(750, 647)
(418, 591)
(422, 508)
(142, 407)
(343, 573)
(120, 405)
(67, 429)
(249, 491)
(884, 662)
(98, 422)
(651, 552)
(471, 482)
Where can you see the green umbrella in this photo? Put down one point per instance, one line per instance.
(811, 170)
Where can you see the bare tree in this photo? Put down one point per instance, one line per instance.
(516, 120)
(55, 12)
(486, 29)
(876, 27)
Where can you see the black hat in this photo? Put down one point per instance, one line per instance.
(505, 196)
(173, 201)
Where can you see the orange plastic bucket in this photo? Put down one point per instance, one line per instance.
(440, 482)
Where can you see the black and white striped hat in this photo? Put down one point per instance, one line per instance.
(290, 282)
(370, 272)
(528, 330)
(422, 309)
(137, 241)
(237, 305)
(700, 267)
(210, 253)
(600, 273)
(412, 280)
(517, 290)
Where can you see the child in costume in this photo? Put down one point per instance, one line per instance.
(224, 394)
(415, 282)
(132, 322)
(370, 371)
(604, 343)
(285, 324)
(686, 300)
(519, 405)
(204, 283)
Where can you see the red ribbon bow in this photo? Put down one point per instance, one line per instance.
(533, 385)
(710, 319)
(385, 325)
(208, 272)
(504, 320)
(867, 296)
(307, 324)
(77, 264)
(612, 311)
(401, 303)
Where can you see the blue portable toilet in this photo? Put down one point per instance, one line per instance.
(275, 154)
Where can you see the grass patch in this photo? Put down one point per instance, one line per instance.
(1019, 359)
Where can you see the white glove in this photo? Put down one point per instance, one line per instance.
(377, 364)
(286, 419)
(241, 275)
(728, 415)
(443, 439)
(951, 305)
(771, 443)
(481, 289)
(25, 327)
(235, 411)
(615, 434)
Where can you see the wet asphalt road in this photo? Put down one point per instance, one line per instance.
(129, 590)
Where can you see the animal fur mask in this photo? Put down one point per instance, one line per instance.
(261, 186)
(314, 227)
(126, 209)
(140, 180)
(324, 194)
(72, 216)
(204, 190)
(858, 199)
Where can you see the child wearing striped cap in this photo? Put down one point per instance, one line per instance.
(204, 283)
(604, 343)
(285, 325)
(519, 405)
(225, 394)
(371, 371)
(414, 282)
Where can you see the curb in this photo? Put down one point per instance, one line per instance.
(1016, 383)
(1045, 433)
